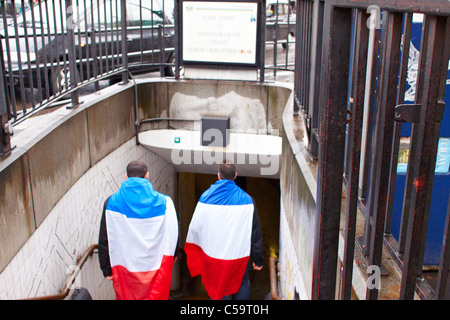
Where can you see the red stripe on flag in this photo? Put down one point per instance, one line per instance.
(149, 285)
(220, 277)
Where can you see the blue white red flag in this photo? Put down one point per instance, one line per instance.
(142, 238)
(219, 236)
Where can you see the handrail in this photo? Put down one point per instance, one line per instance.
(65, 291)
(273, 280)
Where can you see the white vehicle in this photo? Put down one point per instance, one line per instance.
(280, 20)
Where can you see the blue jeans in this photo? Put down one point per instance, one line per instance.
(244, 290)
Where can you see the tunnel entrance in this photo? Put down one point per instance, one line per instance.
(266, 193)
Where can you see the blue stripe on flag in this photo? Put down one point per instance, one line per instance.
(137, 199)
(225, 192)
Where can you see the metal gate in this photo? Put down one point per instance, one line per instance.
(351, 71)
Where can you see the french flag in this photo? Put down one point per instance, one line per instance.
(142, 238)
(218, 240)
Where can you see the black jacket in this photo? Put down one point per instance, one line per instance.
(103, 248)
(256, 251)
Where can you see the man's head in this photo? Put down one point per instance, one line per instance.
(137, 169)
(227, 170)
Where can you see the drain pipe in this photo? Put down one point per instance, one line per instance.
(273, 279)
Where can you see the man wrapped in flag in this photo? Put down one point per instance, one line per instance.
(138, 238)
(224, 232)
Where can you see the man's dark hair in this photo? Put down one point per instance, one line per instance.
(227, 170)
(136, 169)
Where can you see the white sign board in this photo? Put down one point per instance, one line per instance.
(220, 32)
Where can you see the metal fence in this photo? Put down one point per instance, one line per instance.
(350, 85)
(52, 49)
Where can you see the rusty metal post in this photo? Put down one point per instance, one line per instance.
(382, 144)
(332, 125)
(430, 90)
(354, 146)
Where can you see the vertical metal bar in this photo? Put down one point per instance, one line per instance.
(178, 32)
(349, 137)
(160, 43)
(314, 92)
(19, 59)
(443, 286)
(262, 46)
(36, 52)
(105, 12)
(86, 36)
(118, 32)
(358, 90)
(5, 141)
(382, 145)
(336, 56)
(141, 45)
(296, 106)
(49, 61)
(123, 4)
(100, 42)
(397, 125)
(299, 54)
(80, 41)
(93, 36)
(64, 43)
(374, 35)
(309, 23)
(46, 89)
(13, 110)
(275, 40)
(430, 90)
(163, 44)
(72, 57)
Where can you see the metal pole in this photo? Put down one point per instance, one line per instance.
(5, 140)
(75, 96)
(333, 99)
(384, 126)
(358, 83)
(430, 90)
(123, 5)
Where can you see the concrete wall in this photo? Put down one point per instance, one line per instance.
(252, 107)
(298, 206)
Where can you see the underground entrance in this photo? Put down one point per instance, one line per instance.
(266, 193)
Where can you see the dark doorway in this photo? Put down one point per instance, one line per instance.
(266, 193)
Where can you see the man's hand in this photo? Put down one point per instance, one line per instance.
(109, 277)
(255, 267)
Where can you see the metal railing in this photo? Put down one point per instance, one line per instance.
(350, 86)
(72, 277)
(53, 49)
(55, 46)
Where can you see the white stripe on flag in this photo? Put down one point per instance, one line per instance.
(139, 244)
(212, 225)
